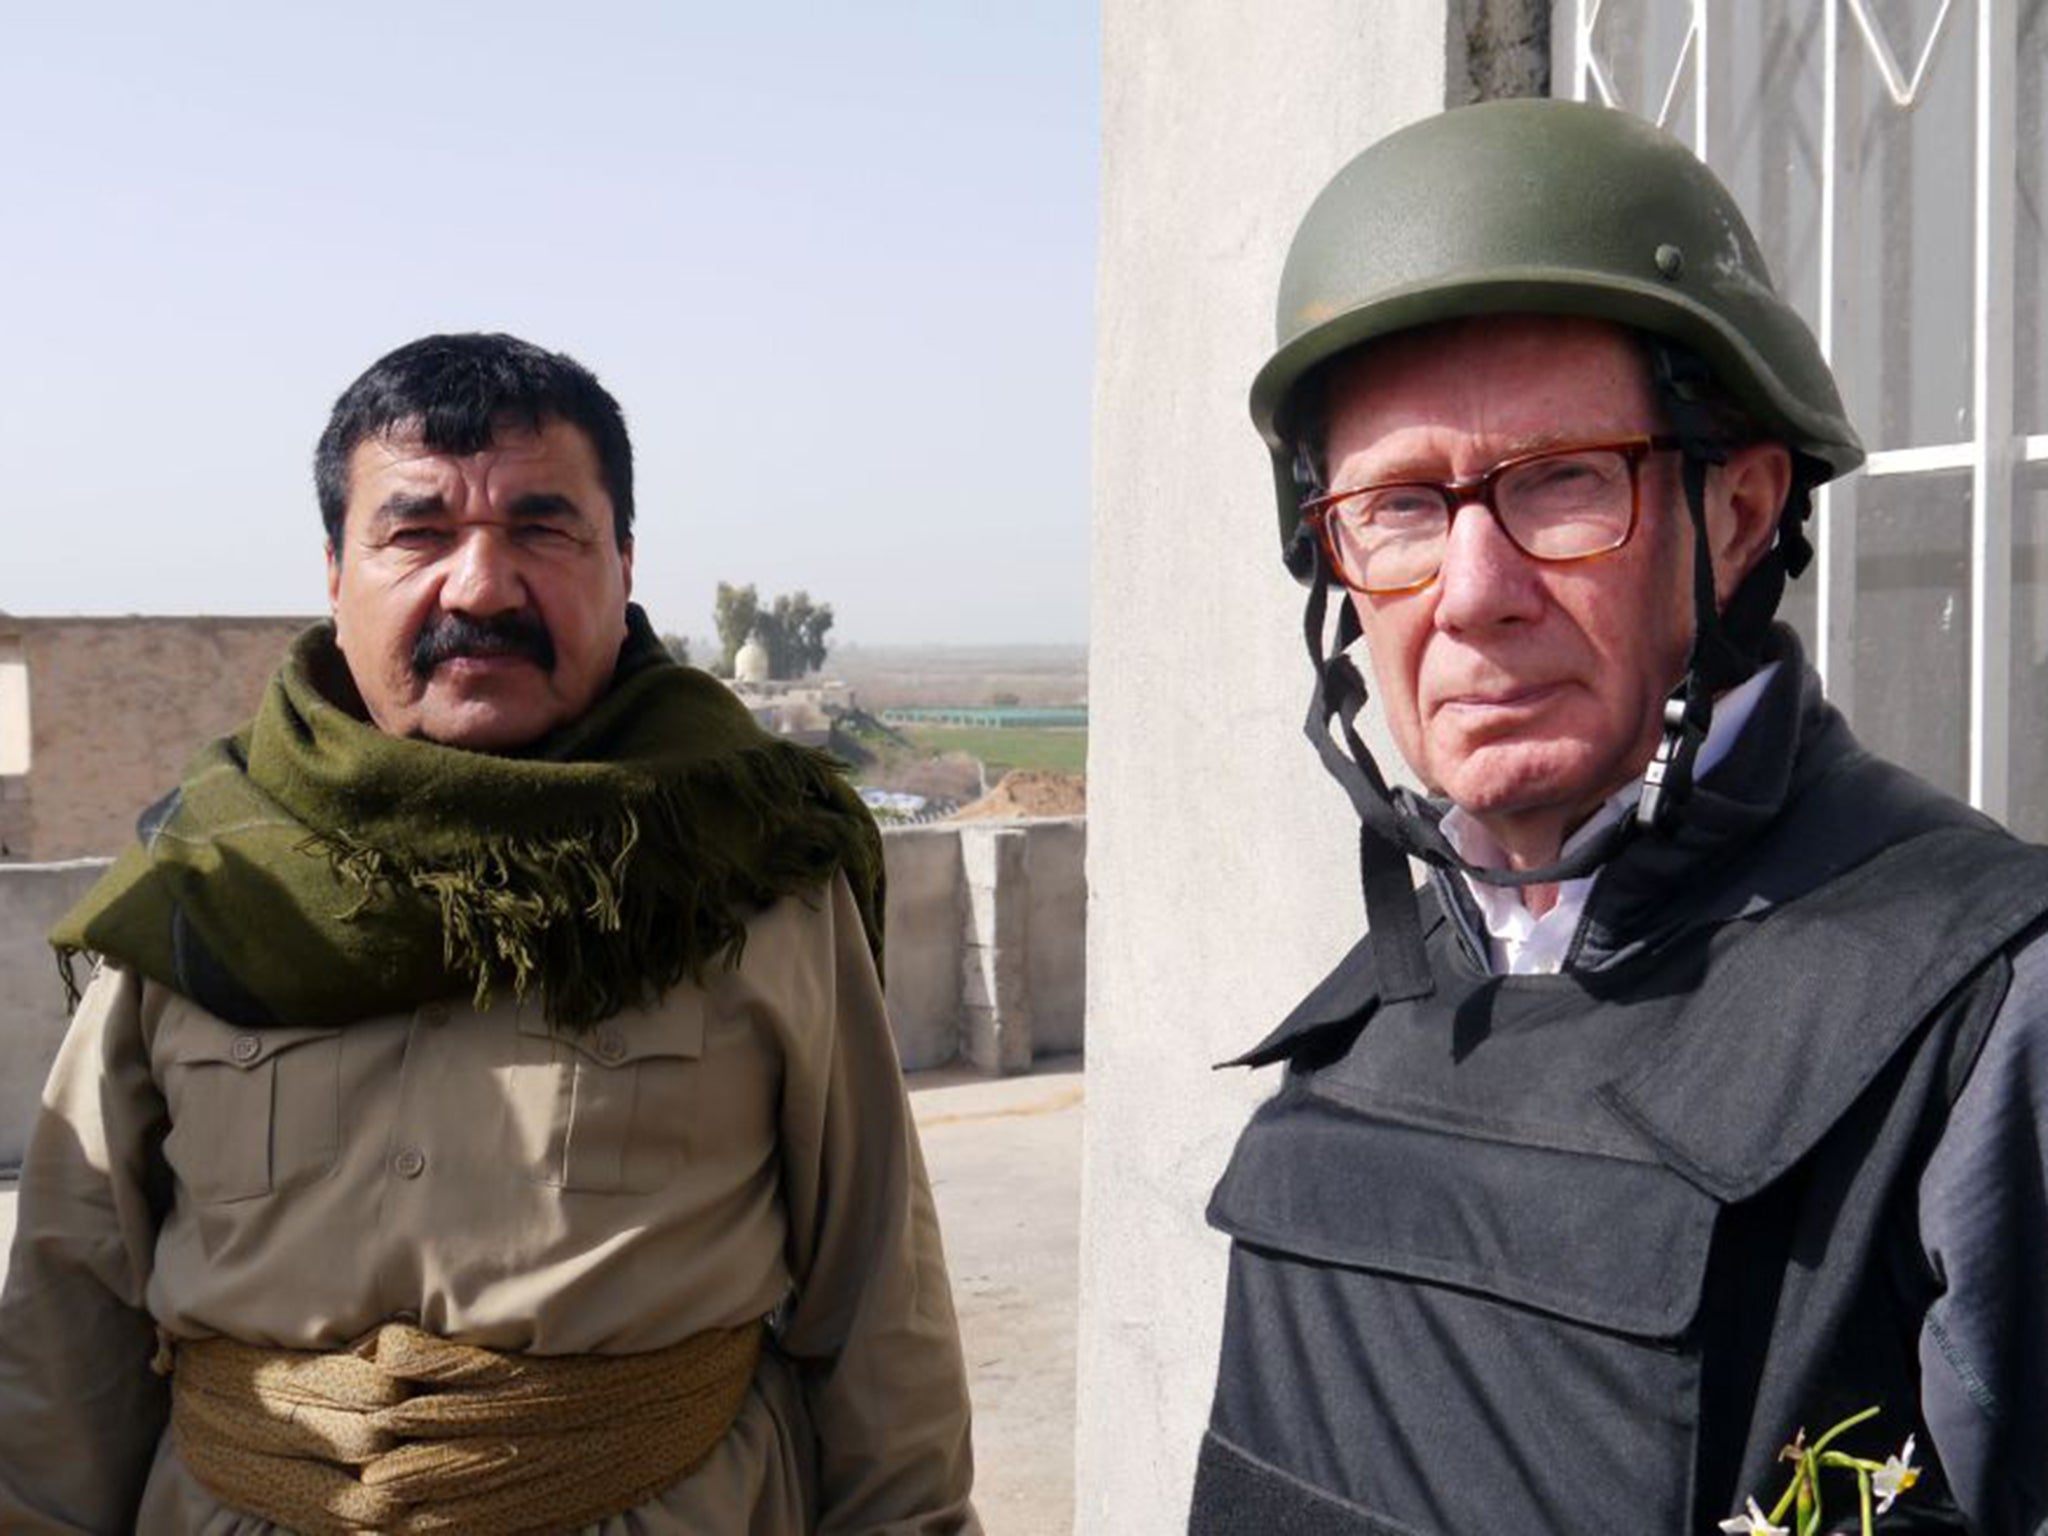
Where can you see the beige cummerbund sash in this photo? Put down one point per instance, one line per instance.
(403, 1431)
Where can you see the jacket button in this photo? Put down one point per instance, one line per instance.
(410, 1163)
(246, 1048)
(611, 1046)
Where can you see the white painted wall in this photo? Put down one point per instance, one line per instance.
(1221, 873)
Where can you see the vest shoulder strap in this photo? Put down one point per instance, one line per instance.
(1322, 1025)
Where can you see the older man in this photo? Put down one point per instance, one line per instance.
(1700, 1099)
(482, 1114)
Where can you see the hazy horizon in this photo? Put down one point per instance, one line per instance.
(836, 263)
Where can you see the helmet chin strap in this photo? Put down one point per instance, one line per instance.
(1689, 712)
(1718, 661)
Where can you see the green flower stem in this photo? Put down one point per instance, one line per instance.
(1803, 1497)
(1863, 1495)
(1836, 1433)
(1790, 1495)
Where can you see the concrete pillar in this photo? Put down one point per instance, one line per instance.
(995, 997)
(1220, 861)
(1499, 48)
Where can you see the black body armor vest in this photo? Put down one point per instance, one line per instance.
(1581, 1252)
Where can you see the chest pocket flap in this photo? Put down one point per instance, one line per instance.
(201, 1039)
(673, 1028)
(1607, 1241)
(252, 1110)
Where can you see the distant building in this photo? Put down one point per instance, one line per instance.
(799, 710)
(98, 715)
(751, 665)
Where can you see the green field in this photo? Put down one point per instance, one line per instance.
(1056, 750)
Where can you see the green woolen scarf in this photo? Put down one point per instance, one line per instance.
(313, 870)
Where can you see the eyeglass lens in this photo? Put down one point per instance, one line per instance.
(1562, 506)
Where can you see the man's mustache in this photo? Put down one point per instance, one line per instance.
(453, 634)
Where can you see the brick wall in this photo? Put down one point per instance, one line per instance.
(116, 705)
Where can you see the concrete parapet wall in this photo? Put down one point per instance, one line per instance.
(987, 951)
(32, 897)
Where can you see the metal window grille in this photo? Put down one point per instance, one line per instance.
(1891, 155)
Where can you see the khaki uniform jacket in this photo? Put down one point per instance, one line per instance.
(742, 1150)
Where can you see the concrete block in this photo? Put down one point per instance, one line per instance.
(922, 925)
(1055, 861)
(994, 954)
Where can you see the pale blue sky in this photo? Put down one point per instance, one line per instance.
(835, 260)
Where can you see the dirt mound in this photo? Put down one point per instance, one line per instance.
(1029, 792)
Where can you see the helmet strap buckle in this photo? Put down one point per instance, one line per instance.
(1667, 781)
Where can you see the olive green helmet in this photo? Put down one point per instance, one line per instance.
(1540, 207)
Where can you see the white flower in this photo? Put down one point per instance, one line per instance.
(1753, 1524)
(1893, 1478)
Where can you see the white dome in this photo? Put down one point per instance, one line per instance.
(751, 664)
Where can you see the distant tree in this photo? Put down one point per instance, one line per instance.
(1004, 699)
(735, 613)
(793, 628)
(678, 647)
(812, 634)
(795, 634)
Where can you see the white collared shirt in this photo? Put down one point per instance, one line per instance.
(1524, 944)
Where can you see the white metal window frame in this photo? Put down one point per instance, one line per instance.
(1995, 450)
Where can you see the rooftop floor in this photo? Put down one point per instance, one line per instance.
(1004, 1156)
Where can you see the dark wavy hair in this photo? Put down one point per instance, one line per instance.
(459, 392)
